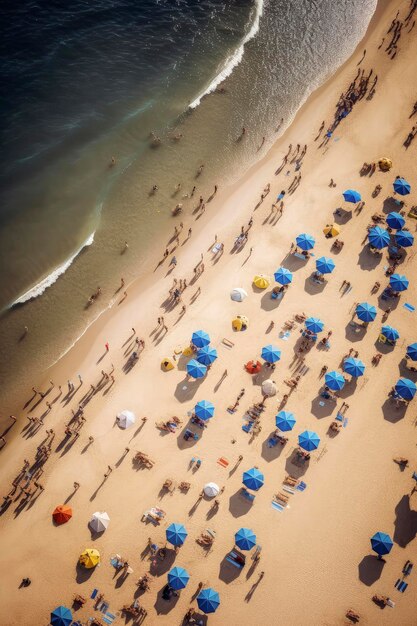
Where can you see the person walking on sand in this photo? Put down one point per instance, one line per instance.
(106, 345)
(173, 261)
(189, 232)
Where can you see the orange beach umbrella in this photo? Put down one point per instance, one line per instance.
(62, 514)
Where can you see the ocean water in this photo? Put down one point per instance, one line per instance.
(87, 81)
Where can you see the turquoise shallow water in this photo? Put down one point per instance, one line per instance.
(93, 81)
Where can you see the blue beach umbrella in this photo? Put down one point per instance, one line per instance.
(314, 325)
(334, 381)
(208, 600)
(378, 237)
(366, 312)
(176, 534)
(207, 355)
(178, 578)
(200, 339)
(325, 265)
(271, 354)
(305, 242)
(285, 421)
(406, 388)
(350, 195)
(399, 282)
(283, 276)
(401, 186)
(245, 539)
(253, 479)
(390, 333)
(404, 238)
(196, 369)
(395, 220)
(353, 367)
(204, 409)
(381, 543)
(61, 616)
(412, 351)
(308, 440)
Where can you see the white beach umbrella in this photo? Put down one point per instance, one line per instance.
(99, 521)
(211, 490)
(238, 294)
(126, 419)
(269, 387)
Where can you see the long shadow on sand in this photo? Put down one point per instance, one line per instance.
(355, 331)
(322, 408)
(228, 572)
(368, 260)
(370, 569)
(295, 467)
(163, 607)
(83, 574)
(268, 303)
(405, 522)
(238, 505)
(391, 412)
(270, 453)
(186, 390)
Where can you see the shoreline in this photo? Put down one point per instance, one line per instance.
(137, 285)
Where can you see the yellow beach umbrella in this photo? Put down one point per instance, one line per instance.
(385, 164)
(240, 322)
(167, 364)
(331, 230)
(188, 351)
(90, 558)
(261, 281)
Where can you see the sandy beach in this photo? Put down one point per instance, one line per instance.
(316, 557)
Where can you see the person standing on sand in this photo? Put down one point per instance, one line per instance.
(106, 345)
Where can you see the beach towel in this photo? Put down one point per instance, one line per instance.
(339, 417)
(276, 506)
(345, 422)
(223, 462)
(94, 593)
(402, 586)
(285, 336)
(247, 427)
(301, 486)
(409, 307)
(231, 411)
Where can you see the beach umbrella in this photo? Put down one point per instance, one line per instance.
(395, 220)
(125, 419)
(354, 367)
(200, 338)
(207, 355)
(399, 282)
(334, 381)
(245, 539)
(385, 164)
(305, 242)
(401, 186)
(325, 265)
(99, 522)
(61, 514)
(253, 367)
(176, 534)
(269, 387)
(390, 333)
(261, 281)
(204, 409)
(350, 195)
(208, 600)
(381, 543)
(314, 325)
(89, 558)
(285, 421)
(196, 369)
(211, 490)
(404, 238)
(406, 388)
(283, 276)
(412, 351)
(61, 616)
(253, 479)
(331, 230)
(366, 312)
(308, 440)
(378, 237)
(178, 578)
(238, 294)
(271, 354)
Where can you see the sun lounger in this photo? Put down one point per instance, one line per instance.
(233, 558)
(300, 256)
(247, 495)
(407, 568)
(272, 442)
(247, 427)
(288, 489)
(282, 498)
(211, 532)
(409, 307)
(301, 486)
(188, 434)
(276, 506)
(402, 586)
(94, 593)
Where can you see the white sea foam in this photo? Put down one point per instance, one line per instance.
(49, 280)
(234, 59)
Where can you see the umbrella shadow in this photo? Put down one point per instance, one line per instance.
(405, 524)
(393, 413)
(295, 467)
(162, 606)
(238, 505)
(384, 348)
(94, 534)
(228, 572)
(312, 287)
(83, 574)
(268, 303)
(182, 362)
(405, 371)
(186, 390)
(355, 331)
(184, 444)
(342, 216)
(370, 569)
(391, 204)
(159, 567)
(293, 263)
(270, 453)
(322, 408)
(200, 619)
(368, 260)
(391, 303)
(349, 388)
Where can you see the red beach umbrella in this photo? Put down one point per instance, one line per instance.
(62, 514)
(253, 367)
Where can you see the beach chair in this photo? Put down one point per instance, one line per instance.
(188, 434)
(277, 506)
(281, 497)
